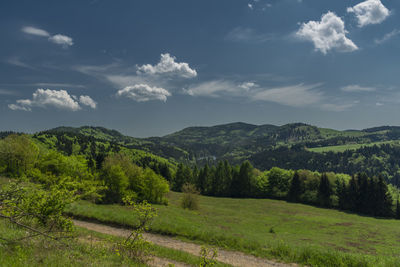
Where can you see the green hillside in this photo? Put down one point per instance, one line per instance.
(270, 228)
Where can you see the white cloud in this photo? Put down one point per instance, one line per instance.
(248, 85)
(250, 6)
(295, 96)
(62, 40)
(369, 12)
(357, 88)
(167, 65)
(241, 34)
(59, 39)
(215, 88)
(388, 36)
(379, 104)
(144, 92)
(327, 34)
(35, 31)
(49, 98)
(87, 101)
(17, 62)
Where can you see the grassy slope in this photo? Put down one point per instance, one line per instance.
(89, 249)
(245, 224)
(343, 148)
(40, 252)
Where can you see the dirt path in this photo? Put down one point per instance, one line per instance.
(230, 257)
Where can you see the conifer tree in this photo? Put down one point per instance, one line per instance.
(324, 191)
(296, 188)
(179, 178)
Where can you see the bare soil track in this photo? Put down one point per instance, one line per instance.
(233, 258)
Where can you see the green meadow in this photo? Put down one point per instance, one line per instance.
(269, 228)
(343, 148)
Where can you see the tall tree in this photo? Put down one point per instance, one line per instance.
(296, 188)
(324, 191)
(179, 178)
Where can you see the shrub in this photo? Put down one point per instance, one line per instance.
(190, 197)
(134, 246)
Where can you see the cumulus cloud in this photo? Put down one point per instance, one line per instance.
(167, 65)
(62, 40)
(60, 99)
(248, 85)
(327, 34)
(144, 92)
(357, 88)
(369, 12)
(87, 101)
(59, 39)
(299, 95)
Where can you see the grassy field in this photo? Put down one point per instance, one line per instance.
(87, 249)
(42, 252)
(343, 148)
(270, 228)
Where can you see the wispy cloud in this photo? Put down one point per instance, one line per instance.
(357, 88)
(60, 99)
(35, 31)
(247, 35)
(7, 92)
(369, 12)
(337, 107)
(215, 88)
(60, 39)
(15, 61)
(327, 34)
(299, 95)
(62, 85)
(387, 37)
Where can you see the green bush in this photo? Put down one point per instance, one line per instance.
(190, 198)
(123, 178)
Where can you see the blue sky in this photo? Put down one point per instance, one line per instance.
(148, 68)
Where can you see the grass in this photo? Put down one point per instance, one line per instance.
(42, 252)
(89, 249)
(342, 148)
(159, 251)
(301, 233)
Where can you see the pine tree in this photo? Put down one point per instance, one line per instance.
(324, 191)
(384, 199)
(296, 188)
(352, 194)
(397, 209)
(202, 179)
(341, 192)
(179, 178)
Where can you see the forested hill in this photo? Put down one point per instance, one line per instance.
(292, 146)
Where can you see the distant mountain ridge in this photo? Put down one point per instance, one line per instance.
(234, 141)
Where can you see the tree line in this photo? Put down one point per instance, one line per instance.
(357, 193)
